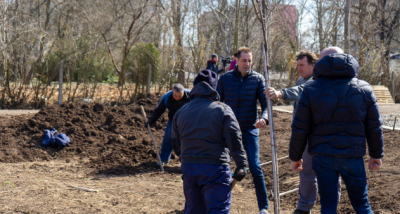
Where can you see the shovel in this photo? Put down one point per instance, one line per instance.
(152, 138)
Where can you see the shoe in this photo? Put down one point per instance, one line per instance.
(263, 211)
(301, 212)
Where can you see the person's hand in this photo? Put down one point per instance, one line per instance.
(240, 173)
(271, 93)
(261, 123)
(374, 164)
(297, 166)
(148, 123)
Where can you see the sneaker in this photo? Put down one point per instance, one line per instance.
(301, 212)
(263, 211)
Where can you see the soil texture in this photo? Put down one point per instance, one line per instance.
(112, 145)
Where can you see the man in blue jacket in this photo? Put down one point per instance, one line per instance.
(337, 113)
(308, 179)
(205, 135)
(172, 100)
(241, 88)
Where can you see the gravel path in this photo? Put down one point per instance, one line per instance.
(388, 119)
(18, 112)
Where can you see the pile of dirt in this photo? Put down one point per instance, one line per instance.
(114, 138)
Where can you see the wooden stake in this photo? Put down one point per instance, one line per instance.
(84, 189)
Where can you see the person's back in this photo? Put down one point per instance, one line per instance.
(344, 109)
(202, 128)
(338, 113)
(205, 134)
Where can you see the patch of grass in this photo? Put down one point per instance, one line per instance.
(8, 184)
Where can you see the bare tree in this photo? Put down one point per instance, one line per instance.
(128, 18)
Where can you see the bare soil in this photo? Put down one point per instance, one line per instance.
(112, 152)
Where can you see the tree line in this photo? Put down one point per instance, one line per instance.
(118, 41)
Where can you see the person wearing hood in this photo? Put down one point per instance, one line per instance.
(308, 180)
(212, 65)
(172, 100)
(336, 114)
(205, 135)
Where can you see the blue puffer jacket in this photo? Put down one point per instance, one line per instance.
(336, 113)
(241, 94)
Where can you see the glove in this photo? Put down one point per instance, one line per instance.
(149, 122)
(239, 173)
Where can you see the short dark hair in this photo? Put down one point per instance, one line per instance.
(178, 88)
(243, 49)
(311, 57)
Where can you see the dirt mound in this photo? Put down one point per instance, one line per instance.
(114, 138)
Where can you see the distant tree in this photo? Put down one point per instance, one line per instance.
(141, 57)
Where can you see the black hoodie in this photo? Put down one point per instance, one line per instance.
(204, 131)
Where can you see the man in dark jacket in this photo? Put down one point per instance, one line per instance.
(241, 88)
(205, 134)
(308, 179)
(212, 64)
(172, 100)
(336, 114)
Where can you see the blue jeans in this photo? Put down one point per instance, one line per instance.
(251, 146)
(308, 184)
(352, 170)
(207, 188)
(166, 147)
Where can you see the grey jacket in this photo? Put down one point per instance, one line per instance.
(206, 131)
(294, 93)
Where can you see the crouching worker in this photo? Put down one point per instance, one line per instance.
(172, 100)
(205, 133)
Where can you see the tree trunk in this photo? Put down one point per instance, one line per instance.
(176, 23)
(320, 25)
(346, 27)
(236, 38)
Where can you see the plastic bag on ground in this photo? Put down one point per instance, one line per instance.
(62, 140)
(48, 138)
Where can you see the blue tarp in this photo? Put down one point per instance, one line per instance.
(61, 140)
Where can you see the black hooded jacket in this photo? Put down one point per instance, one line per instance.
(211, 65)
(337, 113)
(206, 131)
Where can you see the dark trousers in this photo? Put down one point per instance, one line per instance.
(206, 188)
(352, 170)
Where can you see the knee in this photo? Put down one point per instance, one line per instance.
(256, 171)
